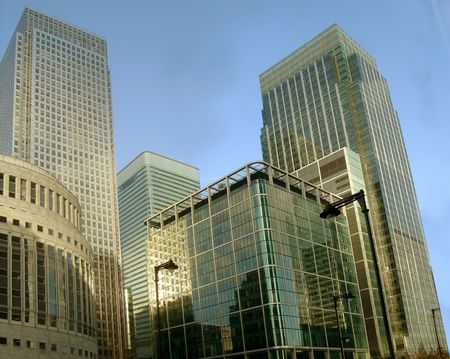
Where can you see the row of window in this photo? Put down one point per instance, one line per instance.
(30, 191)
(30, 344)
(46, 24)
(45, 285)
(50, 231)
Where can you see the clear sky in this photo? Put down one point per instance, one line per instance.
(185, 80)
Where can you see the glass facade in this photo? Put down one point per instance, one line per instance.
(146, 185)
(329, 94)
(258, 272)
(340, 172)
(55, 112)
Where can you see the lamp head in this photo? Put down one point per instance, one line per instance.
(330, 212)
(170, 266)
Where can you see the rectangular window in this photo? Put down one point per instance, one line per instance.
(3, 341)
(33, 192)
(16, 342)
(58, 203)
(23, 189)
(42, 196)
(50, 200)
(42, 345)
(12, 186)
(4, 276)
(41, 286)
(64, 207)
(16, 272)
(2, 180)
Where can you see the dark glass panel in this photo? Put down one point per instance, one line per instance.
(16, 280)
(177, 343)
(212, 338)
(253, 325)
(221, 228)
(249, 290)
(41, 277)
(194, 338)
(78, 296)
(71, 278)
(52, 303)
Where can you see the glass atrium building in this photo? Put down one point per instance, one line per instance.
(327, 95)
(258, 272)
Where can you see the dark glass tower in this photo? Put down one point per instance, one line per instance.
(327, 95)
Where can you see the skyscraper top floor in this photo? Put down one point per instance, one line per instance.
(327, 41)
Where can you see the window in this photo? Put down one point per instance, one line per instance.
(50, 200)
(16, 222)
(58, 203)
(64, 207)
(29, 344)
(23, 189)
(16, 342)
(1, 183)
(42, 196)
(27, 225)
(12, 186)
(42, 345)
(53, 348)
(33, 192)
(2, 219)
(3, 341)
(40, 228)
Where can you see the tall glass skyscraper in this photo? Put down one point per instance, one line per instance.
(327, 95)
(146, 185)
(55, 112)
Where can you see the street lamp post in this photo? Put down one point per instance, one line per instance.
(170, 266)
(332, 210)
(346, 296)
(433, 311)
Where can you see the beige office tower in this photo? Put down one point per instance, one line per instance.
(55, 112)
(327, 95)
(340, 173)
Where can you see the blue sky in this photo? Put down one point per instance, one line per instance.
(185, 80)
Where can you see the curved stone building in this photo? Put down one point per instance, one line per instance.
(46, 282)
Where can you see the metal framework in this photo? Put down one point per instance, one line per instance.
(245, 173)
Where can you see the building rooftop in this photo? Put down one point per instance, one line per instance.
(250, 171)
(318, 46)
